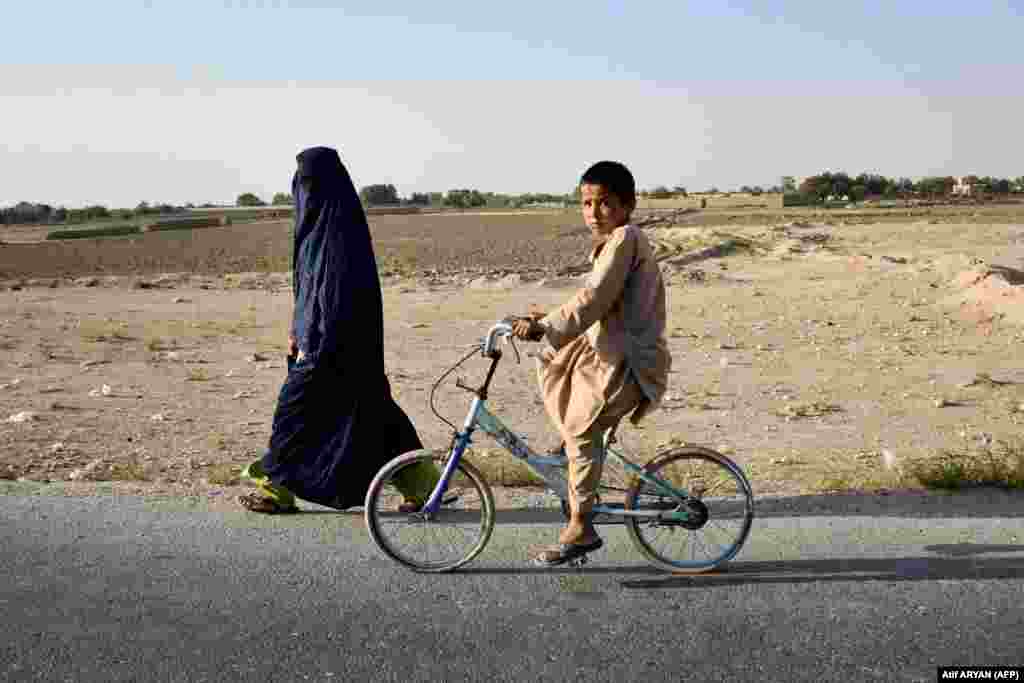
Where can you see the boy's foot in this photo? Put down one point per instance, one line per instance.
(410, 506)
(254, 502)
(566, 552)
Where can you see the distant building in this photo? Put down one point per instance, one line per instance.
(964, 186)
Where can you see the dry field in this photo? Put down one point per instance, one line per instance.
(545, 241)
(836, 353)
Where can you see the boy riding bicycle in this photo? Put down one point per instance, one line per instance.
(607, 356)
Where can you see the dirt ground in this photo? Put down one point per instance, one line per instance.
(820, 354)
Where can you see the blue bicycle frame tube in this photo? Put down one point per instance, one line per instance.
(462, 440)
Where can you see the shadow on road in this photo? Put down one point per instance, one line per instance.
(972, 503)
(966, 566)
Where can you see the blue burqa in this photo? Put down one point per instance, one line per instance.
(336, 423)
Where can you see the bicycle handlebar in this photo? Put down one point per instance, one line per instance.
(502, 328)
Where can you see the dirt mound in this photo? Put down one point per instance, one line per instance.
(989, 292)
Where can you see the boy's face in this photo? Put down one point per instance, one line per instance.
(602, 210)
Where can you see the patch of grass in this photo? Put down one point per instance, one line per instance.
(155, 344)
(832, 483)
(398, 264)
(127, 471)
(115, 230)
(809, 409)
(999, 463)
(183, 223)
(224, 475)
(501, 469)
(197, 375)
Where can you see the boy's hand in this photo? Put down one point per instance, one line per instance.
(528, 328)
(293, 347)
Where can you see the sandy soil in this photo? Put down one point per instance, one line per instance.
(819, 356)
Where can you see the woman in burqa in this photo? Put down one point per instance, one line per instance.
(336, 423)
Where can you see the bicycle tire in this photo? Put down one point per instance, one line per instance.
(690, 467)
(473, 512)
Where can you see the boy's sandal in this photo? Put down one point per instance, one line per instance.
(254, 502)
(566, 552)
(410, 506)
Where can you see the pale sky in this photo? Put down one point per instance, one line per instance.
(119, 101)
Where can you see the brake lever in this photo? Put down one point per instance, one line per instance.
(512, 341)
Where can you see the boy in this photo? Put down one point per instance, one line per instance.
(608, 356)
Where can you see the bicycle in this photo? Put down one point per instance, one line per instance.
(682, 492)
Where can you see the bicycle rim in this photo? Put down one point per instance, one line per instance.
(449, 538)
(721, 506)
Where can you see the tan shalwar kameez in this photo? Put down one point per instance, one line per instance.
(607, 354)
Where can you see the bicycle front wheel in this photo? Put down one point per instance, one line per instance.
(440, 542)
(720, 508)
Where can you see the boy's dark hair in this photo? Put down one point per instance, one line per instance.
(615, 178)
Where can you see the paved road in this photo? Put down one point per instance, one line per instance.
(134, 589)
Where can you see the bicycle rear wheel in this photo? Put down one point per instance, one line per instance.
(441, 542)
(720, 503)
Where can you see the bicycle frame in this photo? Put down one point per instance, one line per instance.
(545, 467)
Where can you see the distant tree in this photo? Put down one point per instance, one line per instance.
(419, 199)
(788, 183)
(935, 186)
(1018, 184)
(497, 201)
(96, 212)
(659, 192)
(282, 199)
(464, 199)
(679, 189)
(873, 184)
(249, 199)
(379, 195)
(746, 189)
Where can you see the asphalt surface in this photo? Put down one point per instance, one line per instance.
(852, 588)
